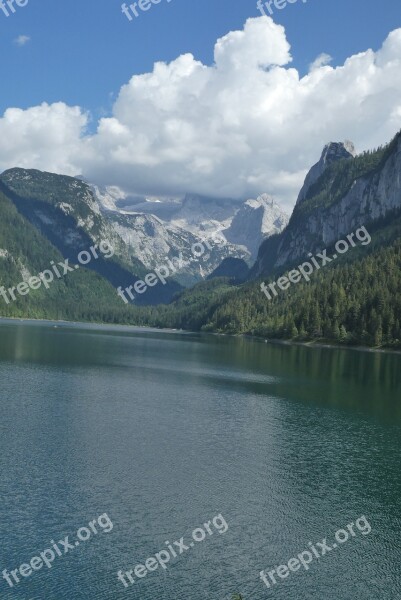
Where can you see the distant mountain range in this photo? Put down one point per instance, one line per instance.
(239, 227)
(71, 213)
(44, 216)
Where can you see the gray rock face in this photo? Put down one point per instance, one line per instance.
(255, 221)
(369, 198)
(236, 228)
(331, 153)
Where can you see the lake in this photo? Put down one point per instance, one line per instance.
(163, 431)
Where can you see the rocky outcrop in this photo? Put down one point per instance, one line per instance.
(332, 152)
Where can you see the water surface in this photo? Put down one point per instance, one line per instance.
(162, 431)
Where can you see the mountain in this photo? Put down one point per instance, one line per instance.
(153, 240)
(255, 221)
(238, 227)
(356, 299)
(147, 234)
(65, 213)
(24, 253)
(350, 192)
(234, 268)
(332, 152)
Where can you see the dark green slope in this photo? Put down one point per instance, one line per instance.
(357, 301)
(64, 211)
(234, 268)
(81, 295)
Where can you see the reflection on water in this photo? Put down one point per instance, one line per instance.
(164, 430)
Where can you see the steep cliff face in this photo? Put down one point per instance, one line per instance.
(347, 195)
(255, 221)
(65, 212)
(332, 152)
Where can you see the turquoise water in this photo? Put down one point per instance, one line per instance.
(162, 431)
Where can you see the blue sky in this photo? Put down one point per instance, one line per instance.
(230, 111)
(81, 52)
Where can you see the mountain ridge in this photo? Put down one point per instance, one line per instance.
(348, 194)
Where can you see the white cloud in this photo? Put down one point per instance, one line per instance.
(21, 40)
(321, 61)
(247, 124)
(43, 137)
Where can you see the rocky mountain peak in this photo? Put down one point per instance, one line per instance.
(266, 199)
(332, 152)
(336, 151)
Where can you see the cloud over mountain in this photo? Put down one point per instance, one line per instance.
(247, 124)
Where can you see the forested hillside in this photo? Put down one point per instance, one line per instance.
(81, 295)
(355, 303)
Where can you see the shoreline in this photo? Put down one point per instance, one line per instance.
(307, 344)
(327, 345)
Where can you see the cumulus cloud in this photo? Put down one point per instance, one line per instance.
(21, 40)
(44, 137)
(247, 124)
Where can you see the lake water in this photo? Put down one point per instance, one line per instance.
(163, 431)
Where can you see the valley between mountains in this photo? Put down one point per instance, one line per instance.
(356, 301)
